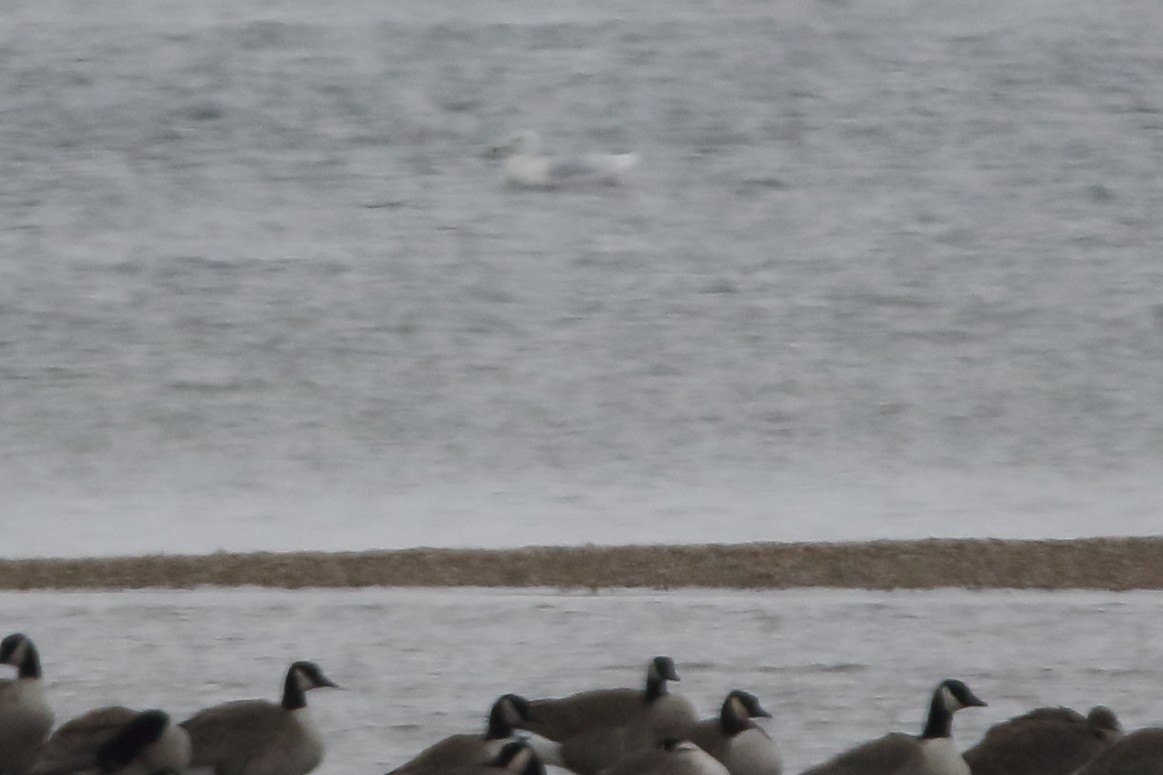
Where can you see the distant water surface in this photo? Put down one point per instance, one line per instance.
(885, 270)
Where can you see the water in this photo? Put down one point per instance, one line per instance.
(834, 668)
(885, 270)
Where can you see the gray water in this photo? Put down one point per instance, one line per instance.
(886, 269)
(834, 668)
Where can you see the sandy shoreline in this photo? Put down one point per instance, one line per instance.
(1102, 563)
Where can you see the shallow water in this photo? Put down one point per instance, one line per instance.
(833, 667)
(885, 270)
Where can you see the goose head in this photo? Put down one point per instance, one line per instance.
(1104, 720)
(738, 710)
(301, 678)
(509, 711)
(955, 695)
(949, 697)
(662, 669)
(658, 672)
(17, 650)
(307, 676)
(519, 758)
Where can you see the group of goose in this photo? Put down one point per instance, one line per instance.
(648, 731)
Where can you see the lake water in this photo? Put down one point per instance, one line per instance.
(833, 667)
(885, 270)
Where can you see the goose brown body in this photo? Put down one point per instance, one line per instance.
(1045, 741)
(1137, 753)
(116, 741)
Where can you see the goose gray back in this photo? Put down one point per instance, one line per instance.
(470, 749)
(116, 741)
(933, 753)
(734, 739)
(671, 757)
(1045, 741)
(1138, 753)
(257, 737)
(25, 715)
(654, 705)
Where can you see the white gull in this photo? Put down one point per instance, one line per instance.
(526, 166)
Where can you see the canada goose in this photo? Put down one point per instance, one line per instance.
(597, 728)
(671, 757)
(735, 740)
(664, 713)
(933, 753)
(1045, 741)
(1138, 753)
(256, 737)
(474, 749)
(25, 715)
(115, 740)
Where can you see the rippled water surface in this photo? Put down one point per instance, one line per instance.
(885, 270)
(834, 668)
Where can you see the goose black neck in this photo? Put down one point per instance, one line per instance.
(731, 723)
(30, 665)
(131, 740)
(293, 695)
(940, 722)
(655, 687)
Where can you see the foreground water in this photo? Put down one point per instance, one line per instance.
(885, 270)
(834, 668)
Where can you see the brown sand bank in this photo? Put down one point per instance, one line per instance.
(1107, 563)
